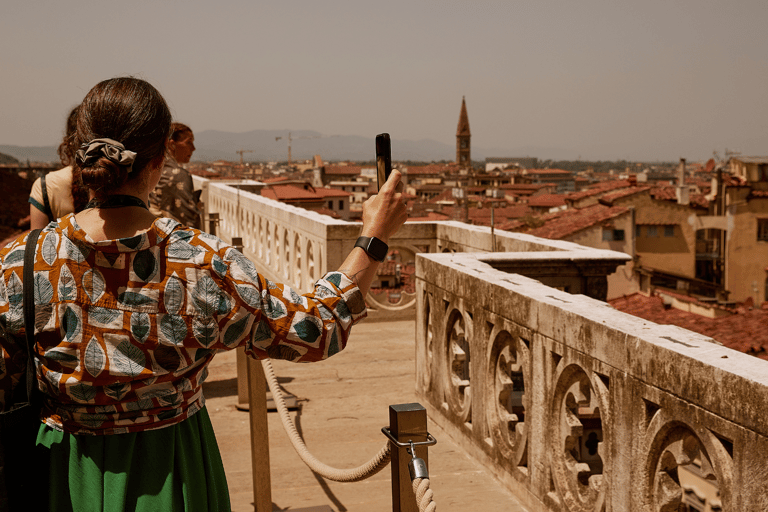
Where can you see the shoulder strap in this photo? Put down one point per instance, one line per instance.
(28, 290)
(46, 203)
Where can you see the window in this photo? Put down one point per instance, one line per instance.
(652, 231)
(762, 230)
(638, 231)
(669, 230)
(330, 205)
(613, 235)
(341, 204)
(762, 172)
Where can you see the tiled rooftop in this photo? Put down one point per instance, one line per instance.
(614, 196)
(547, 200)
(598, 189)
(668, 193)
(565, 223)
(745, 330)
(343, 170)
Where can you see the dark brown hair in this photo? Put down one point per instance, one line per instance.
(127, 110)
(66, 151)
(179, 129)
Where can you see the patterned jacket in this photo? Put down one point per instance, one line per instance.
(174, 195)
(125, 329)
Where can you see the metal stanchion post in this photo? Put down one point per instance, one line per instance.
(213, 223)
(407, 422)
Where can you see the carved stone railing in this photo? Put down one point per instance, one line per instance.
(296, 246)
(578, 407)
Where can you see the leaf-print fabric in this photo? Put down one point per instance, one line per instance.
(125, 329)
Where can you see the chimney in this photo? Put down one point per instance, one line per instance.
(682, 190)
(681, 173)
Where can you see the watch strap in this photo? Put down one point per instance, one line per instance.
(374, 247)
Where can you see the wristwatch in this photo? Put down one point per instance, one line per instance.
(375, 248)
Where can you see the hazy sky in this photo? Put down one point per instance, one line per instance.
(606, 79)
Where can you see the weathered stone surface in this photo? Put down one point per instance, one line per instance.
(614, 405)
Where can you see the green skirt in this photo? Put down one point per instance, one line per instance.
(169, 469)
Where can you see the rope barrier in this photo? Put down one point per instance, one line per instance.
(370, 468)
(424, 495)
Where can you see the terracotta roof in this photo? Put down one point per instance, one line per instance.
(614, 196)
(445, 195)
(387, 268)
(331, 192)
(759, 193)
(597, 189)
(527, 186)
(547, 200)
(345, 170)
(289, 193)
(734, 181)
(482, 216)
(565, 223)
(507, 212)
(276, 179)
(744, 331)
(431, 216)
(668, 193)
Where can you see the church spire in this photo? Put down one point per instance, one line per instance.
(462, 137)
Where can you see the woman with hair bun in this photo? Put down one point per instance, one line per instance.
(130, 309)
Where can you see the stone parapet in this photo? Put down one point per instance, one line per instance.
(578, 407)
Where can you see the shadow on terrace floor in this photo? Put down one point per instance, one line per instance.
(344, 403)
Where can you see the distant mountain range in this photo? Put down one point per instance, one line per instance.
(264, 146)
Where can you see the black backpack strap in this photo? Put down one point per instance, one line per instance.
(46, 203)
(28, 303)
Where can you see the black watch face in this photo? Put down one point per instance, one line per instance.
(378, 249)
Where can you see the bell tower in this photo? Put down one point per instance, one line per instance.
(462, 137)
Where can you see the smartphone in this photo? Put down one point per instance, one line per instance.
(383, 158)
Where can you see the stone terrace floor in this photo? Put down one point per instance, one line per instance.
(344, 403)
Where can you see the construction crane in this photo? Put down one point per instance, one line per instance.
(241, 151)
(291, 138)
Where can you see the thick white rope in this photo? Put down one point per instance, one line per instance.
(370, 468)
(424, 495)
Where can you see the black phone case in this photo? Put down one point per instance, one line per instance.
(383, 158)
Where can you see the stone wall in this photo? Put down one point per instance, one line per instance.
(578, 407)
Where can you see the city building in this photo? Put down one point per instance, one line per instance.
(463, 136)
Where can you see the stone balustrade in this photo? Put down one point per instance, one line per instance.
(296, 246)
(578, 407)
